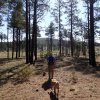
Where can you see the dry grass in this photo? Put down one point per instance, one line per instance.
(4, 54)
(24, 73)
(77, 80)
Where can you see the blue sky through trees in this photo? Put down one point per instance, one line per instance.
(48, 18)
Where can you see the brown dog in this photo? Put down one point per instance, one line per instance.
(55, 86)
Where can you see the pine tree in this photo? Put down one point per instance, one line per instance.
(17, 22)
(50, 33)
(39, 8)
(57, 14)
(71, 11)
(27, 33)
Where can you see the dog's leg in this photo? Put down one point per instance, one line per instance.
(57, 90)
(51, 85)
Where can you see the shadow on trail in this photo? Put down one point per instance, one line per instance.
(78, 64)
(81, 65)
(63, 63)
(5, 60)
(46, 85)
(10, 75)
(10, 69)
(40, 67)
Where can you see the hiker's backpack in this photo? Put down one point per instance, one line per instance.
(50, 60)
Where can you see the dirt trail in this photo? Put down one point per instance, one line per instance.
(75, 83)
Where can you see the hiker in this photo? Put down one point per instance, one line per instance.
(51, 62)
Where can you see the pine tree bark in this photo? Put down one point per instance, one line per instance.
(92, 45)
(71, 36)
(1, 40)
(29, 34)
(16, 43)
(34, 34)
(35, 29)
(13, 43)
(51, 43)
(60, 36)
(89, 36)
(19, 43)
(8, 43)
(27, 53)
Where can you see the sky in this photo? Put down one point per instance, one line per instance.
(47, 19)
(82, 15)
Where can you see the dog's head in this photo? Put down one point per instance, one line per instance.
(44, 73)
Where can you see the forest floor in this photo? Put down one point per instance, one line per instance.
(77, 80)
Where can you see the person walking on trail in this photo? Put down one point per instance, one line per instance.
(51, 62)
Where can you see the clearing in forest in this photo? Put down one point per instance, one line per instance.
(77, 80)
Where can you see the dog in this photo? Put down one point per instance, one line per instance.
(55, 86)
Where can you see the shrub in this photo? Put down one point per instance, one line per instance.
(74, 77)
(25, 73)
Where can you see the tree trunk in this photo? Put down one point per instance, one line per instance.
(19, 43)
(1, 40)
(92, 48)
(34, 34)
(27, 53)
(16, 43)
(71, 36)
(8, 32)
(51, 43)
(29, 34)
(59, 31)
(8, 43)
(13, 43)
(89, 40)
(35, 29)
